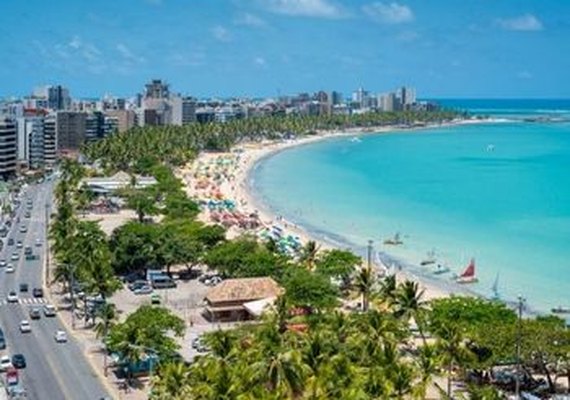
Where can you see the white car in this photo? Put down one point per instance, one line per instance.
(5, 363)
(25, 326)
(38, 242)
(10, 269)
(60, 336)
(12, 297)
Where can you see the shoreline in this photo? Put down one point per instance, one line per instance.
(238, 186)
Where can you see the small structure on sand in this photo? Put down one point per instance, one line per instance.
(240, 299)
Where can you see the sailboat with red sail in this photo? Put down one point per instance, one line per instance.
(468, 274)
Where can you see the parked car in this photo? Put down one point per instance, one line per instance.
(2, 263)
(137, 285)
(163, 282)
(19, 361)
(38, 292)
(10, 242)
(19, 244)
(155, 299)
(24, 287)
(5, 363)
(146, 289)
(2, 340)
(38, 243)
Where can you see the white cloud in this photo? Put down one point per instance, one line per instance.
(260, 62)
(220, 33)
(304, 8)
(389, 13)
(248, 19)
(526, 22)
(193, 59)
(524, 75)
(128, 54)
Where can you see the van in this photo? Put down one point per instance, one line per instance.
(162, 282)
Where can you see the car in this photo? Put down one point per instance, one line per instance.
(38, 243)
(25, 326)
(10, 242)
(35, 313)
(19, 361)
(23, 288)
(60, 336)
(137, 285)
(19, 244)
(15, 256)
(5, 363)
(2, 340)
(12, 297)
(146, 289)
(10, 269)
(49, 310)
(27, 214)
(38, 292)
(23, 229)
(155, 299)
(2, 263)
(28, 250)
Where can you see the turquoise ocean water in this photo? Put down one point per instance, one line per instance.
(498, 192)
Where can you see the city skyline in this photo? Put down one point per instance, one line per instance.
(266, 48)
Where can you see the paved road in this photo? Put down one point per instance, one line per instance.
(54, 371)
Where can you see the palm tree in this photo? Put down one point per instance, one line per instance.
(364, 285)
(427, 363)
(309, 253)
(107, 314)
(387, 290)
(452, 350)
(409, 304)
(170, 381)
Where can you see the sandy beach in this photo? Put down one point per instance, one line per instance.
(225, 177)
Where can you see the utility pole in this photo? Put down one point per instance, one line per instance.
(72, 280)
(519, 338)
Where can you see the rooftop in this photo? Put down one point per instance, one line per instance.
(243, 290)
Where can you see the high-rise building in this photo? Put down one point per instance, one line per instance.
(126, 119)
(94, 126)
(335, 98)
(156, 89)
(183, 110)
(70, 130)
(8, 147)
(57, 97)
(31, 141)
(407, 97)
(50, 140)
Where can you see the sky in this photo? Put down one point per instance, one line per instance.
(445, 48)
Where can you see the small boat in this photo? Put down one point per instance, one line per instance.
(430, 259)
(440, 269)
(395, 241)
(356, 139)
(561, 310)
(468, 274)
(490, 147)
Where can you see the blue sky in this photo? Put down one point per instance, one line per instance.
(446, 48)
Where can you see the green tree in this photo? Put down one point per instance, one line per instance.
(339, 264)
(306, 289)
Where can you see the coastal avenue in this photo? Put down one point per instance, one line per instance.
(54, 371)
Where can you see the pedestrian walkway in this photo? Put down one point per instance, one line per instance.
(26, 300)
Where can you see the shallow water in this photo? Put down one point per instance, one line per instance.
(496, 192)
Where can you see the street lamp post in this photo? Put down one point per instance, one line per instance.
(369, 254)
(71, 290)
(519, 338)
